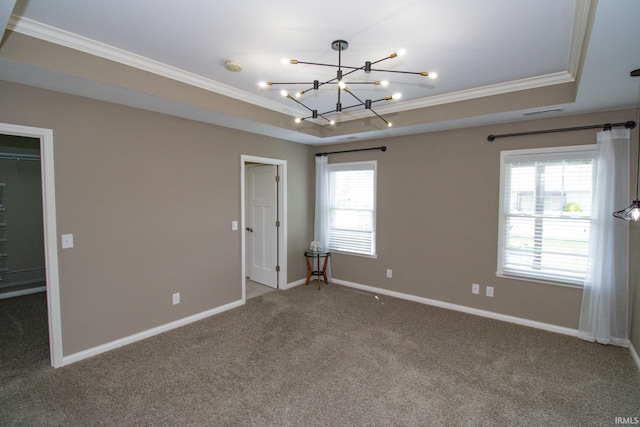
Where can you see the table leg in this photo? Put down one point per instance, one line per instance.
(324, 269)
(309, 270)
(318, 270)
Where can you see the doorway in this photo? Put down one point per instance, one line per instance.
(261, 216)
(264, 224)
(45, 142)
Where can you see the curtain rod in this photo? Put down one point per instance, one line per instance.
(605, 126)
(382, 148)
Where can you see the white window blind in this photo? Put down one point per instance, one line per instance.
(545, 213)
(352, 201)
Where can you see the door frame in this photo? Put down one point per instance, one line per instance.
(50, 232)
(282, 216)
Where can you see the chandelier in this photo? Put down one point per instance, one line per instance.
(343, 85)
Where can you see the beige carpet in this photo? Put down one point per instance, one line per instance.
(335, 357)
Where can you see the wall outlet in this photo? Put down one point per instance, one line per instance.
(490, 291)
(176, 298)
(475, 288)
(389, 273)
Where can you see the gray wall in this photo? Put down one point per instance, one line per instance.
(149, 199)
(437, 224)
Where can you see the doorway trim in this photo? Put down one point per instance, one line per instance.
(50, 232)
(282, 214)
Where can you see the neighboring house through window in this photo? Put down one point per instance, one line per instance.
(545, 213)
(352, 207)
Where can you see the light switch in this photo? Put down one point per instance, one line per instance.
(67, 241)
(234, 225)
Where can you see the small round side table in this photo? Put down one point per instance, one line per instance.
(311, 271)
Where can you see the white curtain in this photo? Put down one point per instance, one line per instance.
(604, 312)
(321, 224)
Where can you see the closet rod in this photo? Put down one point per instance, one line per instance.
(605, 126)
(18, 156)
(382, 148)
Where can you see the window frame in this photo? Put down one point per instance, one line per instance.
(506, 156)
(345, 166)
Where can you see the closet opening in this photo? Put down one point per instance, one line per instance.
(23, 299)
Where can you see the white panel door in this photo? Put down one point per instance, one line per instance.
(261, 224)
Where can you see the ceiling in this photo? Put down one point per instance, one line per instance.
(483, 52)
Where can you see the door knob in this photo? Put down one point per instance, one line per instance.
(249, 229)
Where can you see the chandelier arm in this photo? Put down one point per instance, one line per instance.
(398, 71)
(327, 112)
(319, 115)
(319, 85)
(362, 83)
(332, 81)
(310, 109)
(380, 117)
(353, 106)
(354, 95)
(353, 70)
(370, 109)
(331, 65)
(295, 100)
(386, 98)
(290, 83)
(380, 60)
(343, 108)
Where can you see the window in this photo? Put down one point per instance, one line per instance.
(352, 207)
(545, 213)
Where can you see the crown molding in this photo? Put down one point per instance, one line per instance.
(73, 41)
(579, 34)
(64, 38)
(468, 94)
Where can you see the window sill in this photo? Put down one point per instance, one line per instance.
(533, 280)
(354, 254)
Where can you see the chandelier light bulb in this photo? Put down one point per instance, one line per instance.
(298, 94)
(262, 84)
(384, 83)
(342, 84)
(298, 119)
(433, 75)
(285, 61)
(396, 96)
(635, 215)
(284, 93)
(389, 124)
(332, 122)
(402, 52)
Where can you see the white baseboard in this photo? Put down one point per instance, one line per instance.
(294, 284)
(634, 355)
(67, 360)
(23, 292)
(464, 309)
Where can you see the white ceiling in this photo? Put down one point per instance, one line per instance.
(475, 47)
